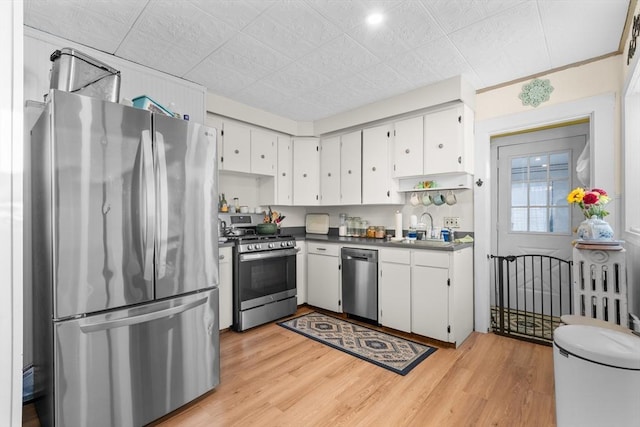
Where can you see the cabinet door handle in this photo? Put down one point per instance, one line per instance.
(284, 174)
(221, 257)
(407, 151)
(373, 168)
(388, 193)
(440, 145)
(321, 249)
(262, 156)
(304, 175)
(236, 151)
(349, 172)
(460, 159)
(329, 174)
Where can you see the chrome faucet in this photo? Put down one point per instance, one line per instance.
(430, 228)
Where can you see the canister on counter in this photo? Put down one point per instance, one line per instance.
(371, 232)
(364, 225)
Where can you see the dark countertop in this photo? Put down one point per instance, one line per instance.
(328, 238)
(299, 234)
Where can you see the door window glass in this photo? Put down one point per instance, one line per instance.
(539, 186)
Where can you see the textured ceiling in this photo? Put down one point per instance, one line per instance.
(309, 59)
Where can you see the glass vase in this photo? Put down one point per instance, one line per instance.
(595, 228)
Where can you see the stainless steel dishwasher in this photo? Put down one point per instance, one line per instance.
(360, 283)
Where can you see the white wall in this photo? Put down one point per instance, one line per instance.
(445, 91)
(11, 213)
(591, 90)
(572, 84)
(385, 215)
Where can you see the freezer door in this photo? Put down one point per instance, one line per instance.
(99, 183)
(186, 199)
(130, 367)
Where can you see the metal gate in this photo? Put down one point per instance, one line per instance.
(530, 293)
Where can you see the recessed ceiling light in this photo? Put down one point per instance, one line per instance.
(375, 18)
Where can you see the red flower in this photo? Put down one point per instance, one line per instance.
(599, 191)
(591, 198)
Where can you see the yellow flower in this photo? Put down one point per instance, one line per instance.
(576, 195)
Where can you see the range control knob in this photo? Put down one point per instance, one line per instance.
(283, 244)
(249, 247)
(289, 243)
(258, 246)
(271, 245)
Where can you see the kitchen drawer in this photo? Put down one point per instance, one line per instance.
(430, 258)
(398, 256)
(323, 249)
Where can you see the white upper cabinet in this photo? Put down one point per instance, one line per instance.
(351, 168)
(408, 147)
(247, 150)
(377, 184)
(330, 171)
(263, 153)
(236, 148)
(448, 141)
(306, 170)
(284, 176)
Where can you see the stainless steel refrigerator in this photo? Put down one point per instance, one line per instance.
(123, 209)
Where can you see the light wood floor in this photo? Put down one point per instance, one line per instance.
(271, 376)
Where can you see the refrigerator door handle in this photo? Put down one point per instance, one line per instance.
(150, 203)
(163, 211)
(146, 317)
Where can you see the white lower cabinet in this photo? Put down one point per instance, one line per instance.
(394, 289)
(225, 287)
(442, 294)
(301, 272)
(430, 302)
(323, 276)
(425, 292)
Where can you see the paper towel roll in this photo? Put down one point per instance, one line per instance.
(398, 224)
(414, 220)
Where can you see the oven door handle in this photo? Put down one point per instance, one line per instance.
(279, 253)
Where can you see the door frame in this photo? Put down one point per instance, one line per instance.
(600, 110)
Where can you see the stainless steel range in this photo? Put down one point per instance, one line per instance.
(264, 276)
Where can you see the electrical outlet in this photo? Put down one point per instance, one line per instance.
(452, 221)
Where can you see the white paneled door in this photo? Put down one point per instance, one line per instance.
(536, 172)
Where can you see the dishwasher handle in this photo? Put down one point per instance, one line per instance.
(361, 258)
(367, 255)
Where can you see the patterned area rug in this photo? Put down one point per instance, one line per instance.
(393, 353)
